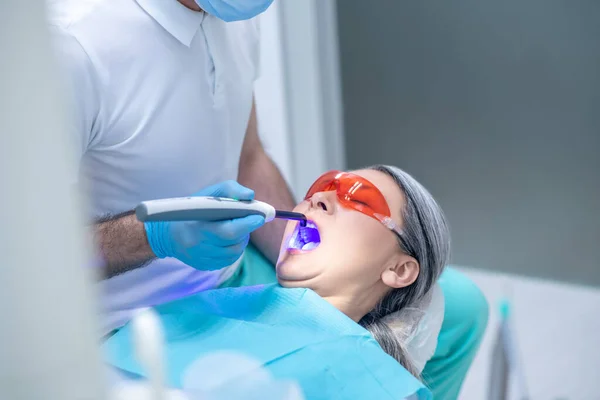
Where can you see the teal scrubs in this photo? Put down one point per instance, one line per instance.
(465, 320)
(292, 334)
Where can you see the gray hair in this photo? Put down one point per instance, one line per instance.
(425, 237)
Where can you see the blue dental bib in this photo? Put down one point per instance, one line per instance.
(293, 333)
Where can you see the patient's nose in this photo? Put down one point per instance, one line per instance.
(323, 201)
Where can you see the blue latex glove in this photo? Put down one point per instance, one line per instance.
(206, 245)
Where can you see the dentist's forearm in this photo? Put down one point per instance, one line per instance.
(122, 243)
(262, 175)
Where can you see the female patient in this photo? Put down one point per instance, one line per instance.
(376, 243)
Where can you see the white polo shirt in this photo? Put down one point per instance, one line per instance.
(162, 97)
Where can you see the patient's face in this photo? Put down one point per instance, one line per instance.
(355, 249)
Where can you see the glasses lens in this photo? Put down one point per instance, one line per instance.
(353, 191)
(324, 183)
(360, 194)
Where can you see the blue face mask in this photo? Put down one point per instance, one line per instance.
(234, 10)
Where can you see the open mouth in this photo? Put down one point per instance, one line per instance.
(305, 238)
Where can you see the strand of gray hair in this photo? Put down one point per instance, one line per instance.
(426, 233)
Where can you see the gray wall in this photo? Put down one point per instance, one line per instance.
(495, 107)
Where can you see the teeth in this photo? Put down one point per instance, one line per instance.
(294, 241)
(304, 235)
(311, 225)
(295, 235)
(305, 238)
(310, 246)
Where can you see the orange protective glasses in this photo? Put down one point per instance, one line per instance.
(357, 193)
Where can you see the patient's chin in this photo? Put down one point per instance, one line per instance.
(289, 284)
(293, 272)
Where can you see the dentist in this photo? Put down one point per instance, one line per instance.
(162, 94)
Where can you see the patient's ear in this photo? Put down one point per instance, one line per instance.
(402, 271)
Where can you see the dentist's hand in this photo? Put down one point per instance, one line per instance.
(206, 245)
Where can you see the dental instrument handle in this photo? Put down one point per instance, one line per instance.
(208, 209)
(201, 209)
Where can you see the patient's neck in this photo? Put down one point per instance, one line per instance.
(358, 302)
(347, 307)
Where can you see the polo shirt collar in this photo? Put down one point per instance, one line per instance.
(174, 17)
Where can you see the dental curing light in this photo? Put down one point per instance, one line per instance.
(209, 209)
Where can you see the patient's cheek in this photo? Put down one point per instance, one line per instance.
(362, 242)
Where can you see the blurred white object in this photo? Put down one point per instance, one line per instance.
(142, 391)
(47, 341)
(148, 342)
(228, 375)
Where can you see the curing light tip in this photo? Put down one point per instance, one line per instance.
(291, 215)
